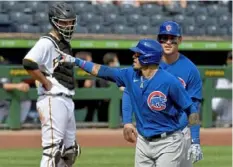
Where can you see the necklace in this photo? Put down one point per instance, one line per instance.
(142, 80)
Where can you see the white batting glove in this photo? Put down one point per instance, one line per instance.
(195, 153)
(65, 57)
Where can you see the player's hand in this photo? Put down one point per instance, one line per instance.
(48, 85)
(23, 87)
(195, 153)
(130, 133)
(65, 57)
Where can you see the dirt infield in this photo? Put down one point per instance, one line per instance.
(102, 138)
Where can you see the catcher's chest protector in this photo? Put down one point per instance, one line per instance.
(64, 72)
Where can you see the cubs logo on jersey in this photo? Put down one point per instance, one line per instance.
(157, 101)
(182, 82)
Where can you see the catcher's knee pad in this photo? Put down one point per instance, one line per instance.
(71, 154)
(54, 151)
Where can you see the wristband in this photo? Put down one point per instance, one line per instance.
(195, 134)
(85, 65)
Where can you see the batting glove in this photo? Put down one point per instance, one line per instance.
(65, 57)
(195, 153)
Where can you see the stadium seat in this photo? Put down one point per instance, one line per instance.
(142, 29)
(4, 19)
(201, 10)
(201, 20)
(89, 18)
(151, 9)
(212, 30)
(190, 10)
(191, 30)
(157, 19)
(224, 20)
(26, 28)
(99, 29)
(14, 6)
(179, 18)
(211, 21)
(135, 19)
(40, 18)
(189, 21)
(200, 31)
(82, 7)
(105, 9)
(216, 10)
(126, 9)
(120, 20)
(110, 19)
(173, 9)
(37, 6)
(44, 28)
(21, 18)
(121, 29)
(81, 30)
(147, 30)
(222, 31)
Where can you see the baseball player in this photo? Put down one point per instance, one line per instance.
(55, 84)
(187, 73)
(155, 94)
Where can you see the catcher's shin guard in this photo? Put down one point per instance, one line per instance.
(71, 154)
(54, 152)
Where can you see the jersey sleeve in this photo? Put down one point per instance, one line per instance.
(194, 86)
(117, 75)
(39, 52)
(126, 107)
(179, 95)
(121, 76)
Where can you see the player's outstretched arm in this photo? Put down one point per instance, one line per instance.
(105, 72)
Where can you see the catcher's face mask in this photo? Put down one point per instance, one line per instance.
(65, 27)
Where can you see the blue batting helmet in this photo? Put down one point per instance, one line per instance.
(170, 28)
(151, 51)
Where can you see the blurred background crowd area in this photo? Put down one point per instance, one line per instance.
(211, 18)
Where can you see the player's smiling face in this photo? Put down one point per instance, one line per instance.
(136, 63)
(169, 43)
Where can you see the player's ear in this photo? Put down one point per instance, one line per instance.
(179, 40)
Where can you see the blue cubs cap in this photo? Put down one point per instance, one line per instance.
(170, 28)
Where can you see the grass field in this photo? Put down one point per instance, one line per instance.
(109, 157)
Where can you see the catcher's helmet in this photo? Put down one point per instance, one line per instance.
(150, 51)
(170, 28)
(63, 12)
